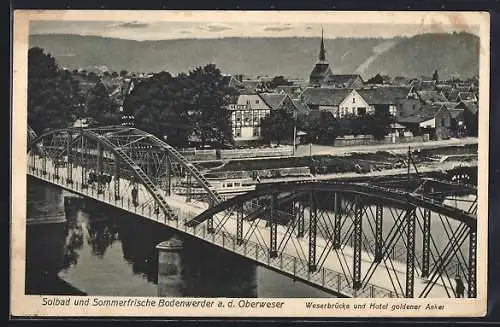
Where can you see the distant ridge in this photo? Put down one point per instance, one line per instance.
(454, 54)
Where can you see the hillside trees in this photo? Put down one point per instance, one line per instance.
(52, 93)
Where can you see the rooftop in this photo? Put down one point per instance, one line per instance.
(273, 100)
(324, 96)
(384, 94)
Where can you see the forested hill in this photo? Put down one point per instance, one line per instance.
(452, 54)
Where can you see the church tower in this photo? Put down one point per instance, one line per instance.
(321, 70)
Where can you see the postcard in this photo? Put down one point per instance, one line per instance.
(249, 163)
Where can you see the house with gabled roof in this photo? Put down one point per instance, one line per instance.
(234, 81)
(452, 95)
(433, 119)
(292, 90)
(429, 97)
(354, 104)
(385, 98)
(466, 96)
(344, 81)
(470, 115)
(471, 106)
(374, 99)
(249, 109)
(326, 99)
(448, 104)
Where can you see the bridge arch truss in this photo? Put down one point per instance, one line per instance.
(366, 232)
(126, 159)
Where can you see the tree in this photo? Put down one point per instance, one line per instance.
(210, 118)
(379, 124)
(435, 76)
(101, 108)
(52, 93)
(377, 79)
(321, 127)
(471, 122)
(277, 126)
(185, 105)
(160, 106)
(277, 81)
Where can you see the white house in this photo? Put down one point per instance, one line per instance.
(354, 104)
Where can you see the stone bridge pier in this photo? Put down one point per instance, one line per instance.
(187, 268)
(46, 232)
(44, 204)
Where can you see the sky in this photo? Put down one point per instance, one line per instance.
(161, 30)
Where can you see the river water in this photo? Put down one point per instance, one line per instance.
(103, 251)
(99, 250)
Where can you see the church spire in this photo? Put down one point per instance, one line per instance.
(322, 54)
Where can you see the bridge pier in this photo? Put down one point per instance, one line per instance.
(44, 204)
(170, 266)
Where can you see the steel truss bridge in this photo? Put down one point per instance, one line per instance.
(348, 239)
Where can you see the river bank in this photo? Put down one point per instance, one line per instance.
(324, 166)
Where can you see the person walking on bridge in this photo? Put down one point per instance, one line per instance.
(459, 288)
(134, 196)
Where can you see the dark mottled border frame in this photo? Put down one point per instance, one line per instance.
(492, 6)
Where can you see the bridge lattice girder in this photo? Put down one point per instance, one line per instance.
(359, 224)
(145, 156)
(381, 193)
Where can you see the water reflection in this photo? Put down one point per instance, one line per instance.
(104, 251)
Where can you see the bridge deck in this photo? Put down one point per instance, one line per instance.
(291, 262)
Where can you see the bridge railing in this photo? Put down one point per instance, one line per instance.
(293, 266)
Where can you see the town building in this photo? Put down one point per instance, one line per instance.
(430, 97)
(385, 98)
(322, 74)
(434, 120)
(324, 99)
(251, 108)
(354, 102)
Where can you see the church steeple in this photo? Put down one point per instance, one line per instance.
(321, 71)
(322, 53)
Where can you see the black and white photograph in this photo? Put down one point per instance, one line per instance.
(229, 163)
